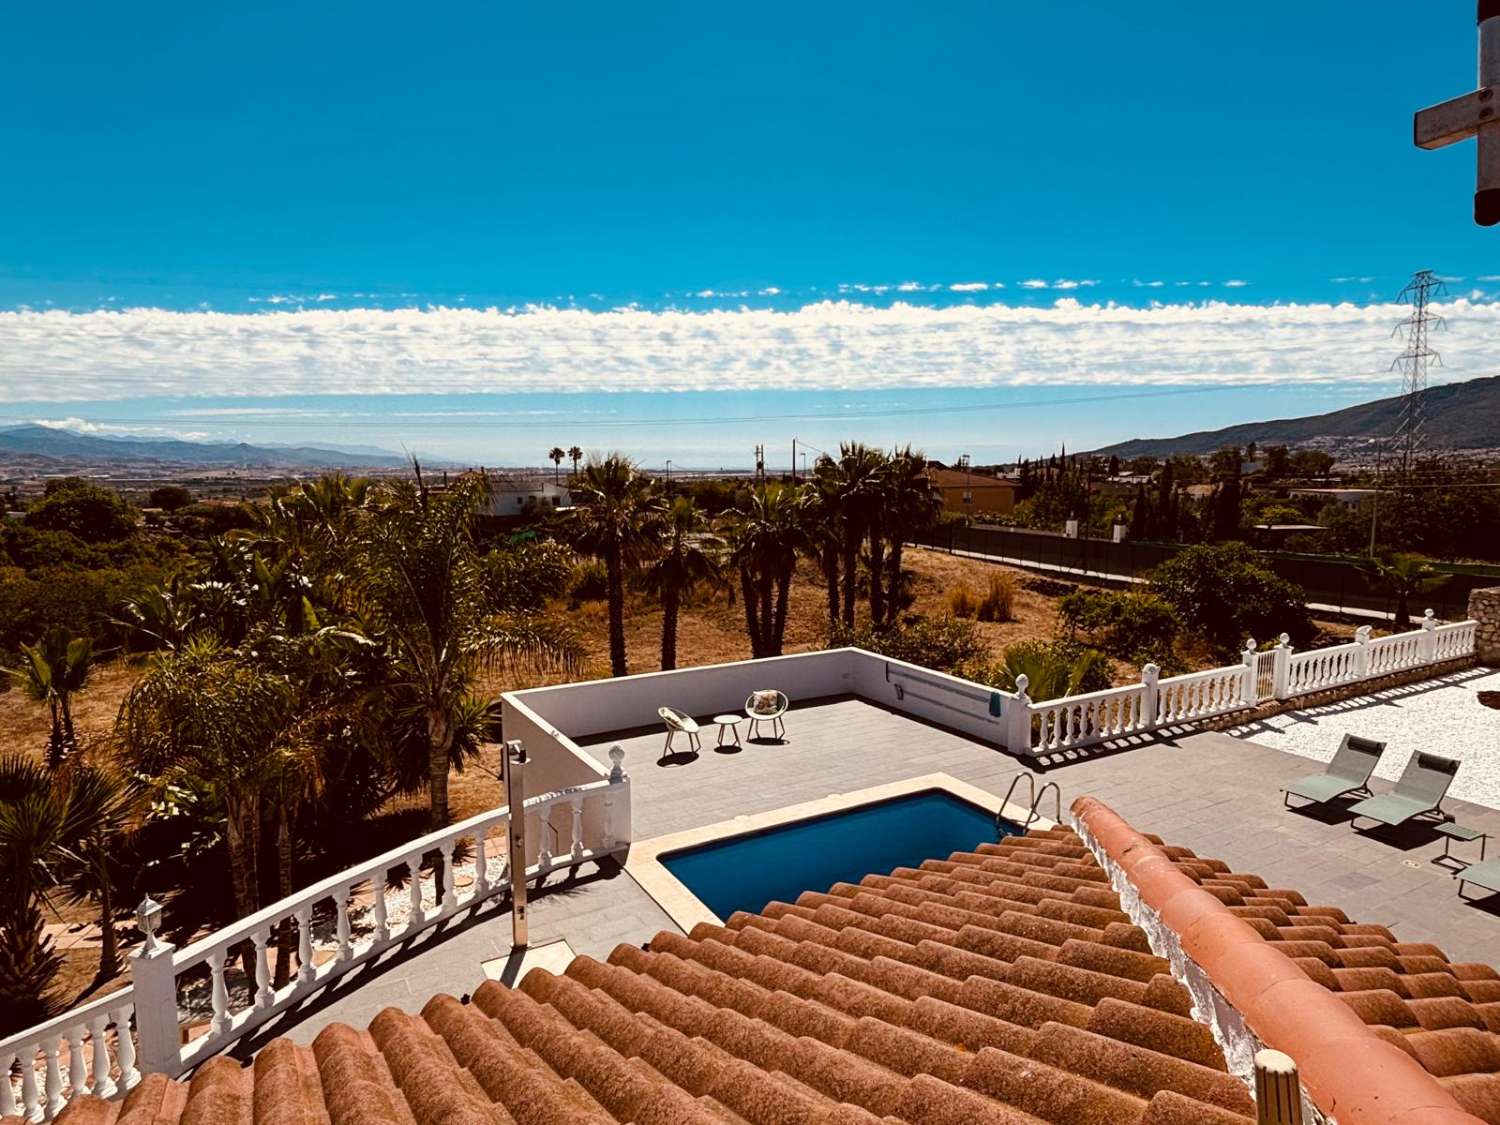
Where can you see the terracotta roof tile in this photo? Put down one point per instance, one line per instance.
(1004, 985)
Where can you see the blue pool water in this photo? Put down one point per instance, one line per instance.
(746, 872)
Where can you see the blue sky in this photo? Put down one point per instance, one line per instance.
(217, 167)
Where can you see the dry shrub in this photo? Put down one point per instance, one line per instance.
(961, 601)
(999, 600)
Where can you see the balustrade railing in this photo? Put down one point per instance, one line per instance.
(191, 1003)
(1077, 721)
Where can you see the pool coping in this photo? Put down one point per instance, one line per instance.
(643, 862)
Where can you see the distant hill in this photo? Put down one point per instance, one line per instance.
(61, 445)
(1459, 416)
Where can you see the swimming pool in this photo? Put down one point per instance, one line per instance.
(746, 872)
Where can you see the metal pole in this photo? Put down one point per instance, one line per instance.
(513, 764)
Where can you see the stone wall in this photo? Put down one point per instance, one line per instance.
(1484, 607)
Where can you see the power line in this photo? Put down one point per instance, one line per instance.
(1414, 361)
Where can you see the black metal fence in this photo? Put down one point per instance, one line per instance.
(1342, 583)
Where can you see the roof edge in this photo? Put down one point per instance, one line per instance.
(1346, 1068)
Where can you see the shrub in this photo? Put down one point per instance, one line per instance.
(999, 600)
(590, 582)
(521, 577)
(1225, 592)
(944, 644)
(1052, 669)
(1135, 626)
(961, 601)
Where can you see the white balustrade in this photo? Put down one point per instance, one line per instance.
(68, 1056)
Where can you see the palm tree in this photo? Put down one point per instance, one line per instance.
(419, 588)
(47, 826)
(52, 670)
(857, 484)
(1404, 575)
(99, 868)
(210, 714)
(766, 538)
(611, 523)
(575, 455)
(826, 518)
(556, 455)
(689, 555)
(910, 505)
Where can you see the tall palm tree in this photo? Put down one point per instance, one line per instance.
(52, 670)
(826, 527)
(857, 481)
(766, 537)
(47, 823)
(419, 587)
(611, 523)
(910, 505)
(99, 867)
(575, 454)
(556, 455)
(689, 555)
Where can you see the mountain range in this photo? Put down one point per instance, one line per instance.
(1458, 416)
(50, 443)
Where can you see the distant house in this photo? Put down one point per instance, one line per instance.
(974, 494)
(514, 496)
(1122, 486)
(1276, 534)
(1354, 499)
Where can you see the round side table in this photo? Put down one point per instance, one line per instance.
(732, 724)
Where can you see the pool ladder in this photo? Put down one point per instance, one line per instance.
(1037, 796)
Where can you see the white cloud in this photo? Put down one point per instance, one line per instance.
(116, 354)
(1235, 283)
(909, 287)
(969, 286)
(769, 291)
(1033, 283)
(1139, 284)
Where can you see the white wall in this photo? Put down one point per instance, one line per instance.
(598, 706)
(934, 696)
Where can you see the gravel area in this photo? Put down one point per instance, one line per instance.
(1441, 716)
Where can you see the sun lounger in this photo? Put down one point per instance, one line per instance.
(1486, 875)
(1348, 772)
(1420, 792)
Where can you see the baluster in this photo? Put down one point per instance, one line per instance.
(414, 865)
(31, 1102)
(577, 827)
(220, 1022)
(50, 1051)
(264, 996)
(78, 1069)
(377, 891)
(125, 1047)
(481, 865)
(8, 1107)
(544, 841)
(306, 970)
(101, 1087)
(448, 892)
(341, 905)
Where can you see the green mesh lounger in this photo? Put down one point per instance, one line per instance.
(1486, 875)
(1423, 785)
(1349, 772)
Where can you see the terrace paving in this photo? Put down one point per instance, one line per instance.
(1214, 793)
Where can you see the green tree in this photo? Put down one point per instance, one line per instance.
(556, 455)
(766, 537)
(89, 511)
(1226, 593)
(1052, 669)
(1403, 576)
(826, 519)
(575, 455)
(169, 497)
(689, 556)
(52, 671)
(856, 482)
(610, 522)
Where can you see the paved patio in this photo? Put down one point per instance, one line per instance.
(1214, 793)
(1211, 792)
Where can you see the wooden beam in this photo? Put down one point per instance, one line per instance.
(1455, 120)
